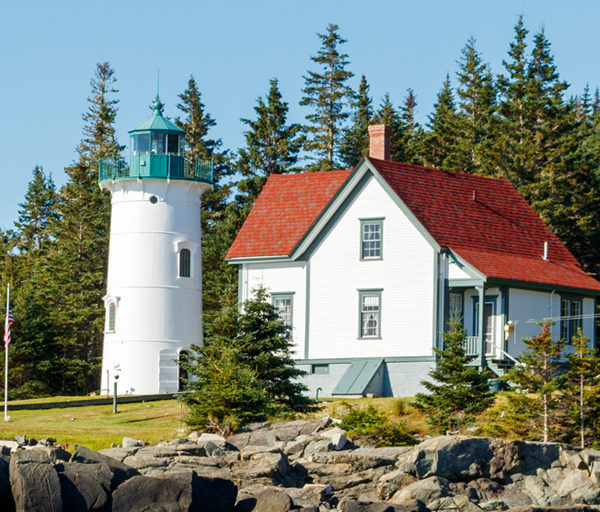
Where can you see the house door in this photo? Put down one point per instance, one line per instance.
(488, 323)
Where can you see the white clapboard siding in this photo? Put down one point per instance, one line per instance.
(281, 278)
(405, 275)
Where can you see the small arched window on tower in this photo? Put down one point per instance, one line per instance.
(110, 303)
(112, 313)
(185, 260)
(186, 256)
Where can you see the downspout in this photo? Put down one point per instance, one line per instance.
(551, 304)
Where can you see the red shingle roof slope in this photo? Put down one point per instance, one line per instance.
(284, 211)
(486, 222)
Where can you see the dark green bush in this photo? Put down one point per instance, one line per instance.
(369, 422)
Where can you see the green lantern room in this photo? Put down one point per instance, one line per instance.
(157, 151)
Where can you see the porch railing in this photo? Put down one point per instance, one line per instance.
(472, 345)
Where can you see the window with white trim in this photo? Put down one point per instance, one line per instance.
(369, 313)
(284, 305)
(570, 318)
(371, 237)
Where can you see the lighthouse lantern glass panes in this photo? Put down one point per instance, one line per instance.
(158, 143)
(141, 143)
(173, 144)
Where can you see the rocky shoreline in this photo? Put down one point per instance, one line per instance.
(306, 465)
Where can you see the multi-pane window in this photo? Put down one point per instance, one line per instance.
(370, 314)
(185, 261)
(283, 304)
(112, 312)
(371, 232)
(570, 318)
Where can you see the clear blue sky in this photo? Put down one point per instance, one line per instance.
(49, 51)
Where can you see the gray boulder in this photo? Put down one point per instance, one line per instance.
(55, 453)
(130, 442)
(429, 489)
(352, 505)
(120, 471)
(451, 457)
(273, 466)
(273, 501)
(85, 487)
(174, 492)
(34, 482)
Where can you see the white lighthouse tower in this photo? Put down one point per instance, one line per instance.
(154, 290)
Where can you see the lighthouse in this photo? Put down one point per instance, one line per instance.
(153, 299)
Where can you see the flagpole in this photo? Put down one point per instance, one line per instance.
(6, 416)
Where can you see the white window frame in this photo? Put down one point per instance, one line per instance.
(284, 295)
(193, 248)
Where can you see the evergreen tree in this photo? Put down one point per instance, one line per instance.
(79, 255)
(476, 120)
(515, 142)
(37, 212)
(267, 349)
(272, 145)
(328, 94)
(409, 144)
(388, 115)
(197, 123)
(441, 138)
(582, 387)
(535, 404)
(355, 143)
(458, 390)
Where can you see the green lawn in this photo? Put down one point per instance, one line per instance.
(96, 426)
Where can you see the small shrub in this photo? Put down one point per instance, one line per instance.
(395, 434)
(370, 422)
(400, 407)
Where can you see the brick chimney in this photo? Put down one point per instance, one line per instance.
(379, 141)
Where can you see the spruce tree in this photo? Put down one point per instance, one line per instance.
(388, 115)
(582, 388)
(515, 142)
(355, 143)
(267, 349)
(441, 138)
(458, 391)
(197, 123)
(326, 92)
(476, 121)
(79, 255)
(410, 137)
(37, 212)
(272, 145)
(534, 407)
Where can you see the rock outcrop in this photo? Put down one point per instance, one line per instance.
(306, 465)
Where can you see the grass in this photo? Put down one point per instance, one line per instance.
(96, 426)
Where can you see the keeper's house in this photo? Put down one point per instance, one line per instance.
(367, 265)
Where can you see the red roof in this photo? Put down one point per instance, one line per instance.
(286, 208)
(483, 220)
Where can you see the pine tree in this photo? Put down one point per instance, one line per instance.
(37, 212)
(476, 120)
(355, 143)
(272, 145)
(535, 404)
(458, 390)
(442, 136)
(79, 255)
(582, 387)
(328, 94)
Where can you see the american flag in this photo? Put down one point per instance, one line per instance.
(8, 327)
